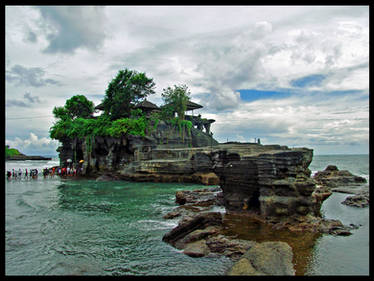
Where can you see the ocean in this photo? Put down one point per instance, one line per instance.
(59, 226)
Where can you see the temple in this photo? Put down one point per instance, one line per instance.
(147, 107)
(199, 123)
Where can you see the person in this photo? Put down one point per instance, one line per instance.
(20, 172)
(26, 173)
(9, 174)
(14, 173)
(68, 171)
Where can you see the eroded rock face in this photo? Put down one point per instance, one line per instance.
(164, 155)
(276, 183)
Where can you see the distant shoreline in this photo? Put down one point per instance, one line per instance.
(25, 157)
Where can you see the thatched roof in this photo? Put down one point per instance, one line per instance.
(192, 105)
(147, 105)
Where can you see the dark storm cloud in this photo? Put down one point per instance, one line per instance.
(32, 76)
(74, 27)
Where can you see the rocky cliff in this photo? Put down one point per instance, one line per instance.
(271, 183)
(269, 180)
(129, 155)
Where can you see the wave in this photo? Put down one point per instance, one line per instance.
(157, 225)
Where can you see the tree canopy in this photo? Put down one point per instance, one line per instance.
(125, 91)
(76, 107)
(176, 99)
(121, 117)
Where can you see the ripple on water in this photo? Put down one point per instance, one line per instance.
(22, 203)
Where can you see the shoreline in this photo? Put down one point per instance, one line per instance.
(24, 157)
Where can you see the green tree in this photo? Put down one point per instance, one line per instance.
(176, 99)
(127, 89)
(60, 113)
(77, 106)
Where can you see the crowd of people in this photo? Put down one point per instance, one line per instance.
(47, 172)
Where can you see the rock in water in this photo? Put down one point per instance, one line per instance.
(360, 200)
(196, 249)
(185, 227)
(274, 183)
(267, 258)
(332, 177)
(243, 267)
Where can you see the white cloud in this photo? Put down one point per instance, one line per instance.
(214, 50)
(34, 145)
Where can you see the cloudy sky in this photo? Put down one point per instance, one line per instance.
(289, 75)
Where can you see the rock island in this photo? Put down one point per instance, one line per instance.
(134, 139)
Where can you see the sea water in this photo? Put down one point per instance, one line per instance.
(342, 255)
(70, 226)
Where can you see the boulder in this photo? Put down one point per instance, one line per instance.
(196, 235)
(185, 227)
(243, 267)
(334, 227)
(267, 258)
(196, 249)
(228, 246)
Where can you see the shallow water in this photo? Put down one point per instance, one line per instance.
(59, 226)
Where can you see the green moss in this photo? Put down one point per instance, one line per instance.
(182, 125)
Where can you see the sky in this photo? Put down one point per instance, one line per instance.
(289, 75)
